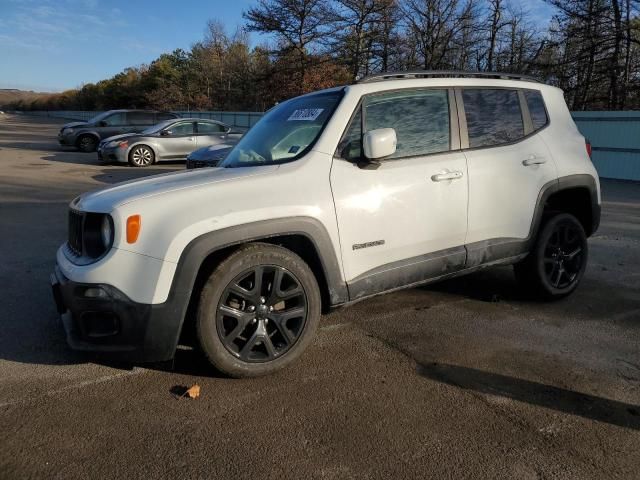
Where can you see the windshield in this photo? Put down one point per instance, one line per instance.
(286, 132)
(156, 128)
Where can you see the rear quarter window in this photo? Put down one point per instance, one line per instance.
(493, 116)
(538, 112)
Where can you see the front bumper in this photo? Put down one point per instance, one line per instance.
(67, 140)
(100, 318)
(196, 163)
(111, 154)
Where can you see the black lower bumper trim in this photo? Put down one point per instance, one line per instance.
(100, 318)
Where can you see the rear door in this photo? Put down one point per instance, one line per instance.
(405, 220)
(179, 141)
(209, 133)
(508, 166)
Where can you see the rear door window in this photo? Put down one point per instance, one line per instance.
(419, 117)
(205, 128)
(536, 108)
(493, 116)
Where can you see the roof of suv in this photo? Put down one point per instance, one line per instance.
(445, 78)
(444, 74)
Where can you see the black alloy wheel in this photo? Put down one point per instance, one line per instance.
(558, 260)
(563, 255)
(258, 310)
(262, 313)
(87, 143)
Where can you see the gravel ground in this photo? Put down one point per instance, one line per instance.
(464, 379)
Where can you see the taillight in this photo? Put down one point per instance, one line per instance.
(587, 144)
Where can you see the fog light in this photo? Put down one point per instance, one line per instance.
(95, 292)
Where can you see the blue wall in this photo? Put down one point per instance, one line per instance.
(615, 140)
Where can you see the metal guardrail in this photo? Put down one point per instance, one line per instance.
(614, 136)
(241, 120)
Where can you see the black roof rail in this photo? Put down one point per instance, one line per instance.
(377, 77)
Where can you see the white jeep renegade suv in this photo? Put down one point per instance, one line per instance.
(395, 181)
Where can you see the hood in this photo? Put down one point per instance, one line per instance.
(105, 200)
(211, 153)
(119, 137)
(75, 124)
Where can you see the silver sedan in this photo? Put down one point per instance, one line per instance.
(169, 140)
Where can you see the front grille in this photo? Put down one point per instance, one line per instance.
(75, 232)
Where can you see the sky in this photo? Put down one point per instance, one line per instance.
(53, 45)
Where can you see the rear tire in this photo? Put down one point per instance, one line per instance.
(558, 259)
(258, 311)
(87, 143)
(141, 156)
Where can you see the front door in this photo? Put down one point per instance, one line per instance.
(406, 220)
(179, 141)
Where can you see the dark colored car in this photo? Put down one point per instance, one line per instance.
(86, 135)
(209, 156)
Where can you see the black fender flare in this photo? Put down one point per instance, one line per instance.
(169, 316)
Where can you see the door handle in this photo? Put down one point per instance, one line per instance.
(441, 177)
(191, 139)
(534, 160)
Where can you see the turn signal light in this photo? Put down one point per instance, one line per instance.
(134, 222)
(588, 145)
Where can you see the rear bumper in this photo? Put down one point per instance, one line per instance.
(100, 318)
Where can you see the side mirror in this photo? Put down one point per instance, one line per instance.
(165, 133)
(379, 143)
(102, 123)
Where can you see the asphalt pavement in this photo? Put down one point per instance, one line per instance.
(469, 378)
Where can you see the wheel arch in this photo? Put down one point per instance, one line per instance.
(90, 133)
(577, 195)
(304, 236)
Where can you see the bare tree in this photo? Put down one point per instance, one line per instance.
(297, 24)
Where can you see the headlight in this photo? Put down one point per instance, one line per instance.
(118, 143)
(90, 234)
(106, 232)
(67, 130)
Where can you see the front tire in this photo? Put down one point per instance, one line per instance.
(258, 311)
(87, 143)
(558, 260)
(141, 156)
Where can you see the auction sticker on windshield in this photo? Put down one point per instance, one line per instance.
(308, 114)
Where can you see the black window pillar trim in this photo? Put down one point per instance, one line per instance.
(462, 120)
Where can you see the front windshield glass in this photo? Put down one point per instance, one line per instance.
(156, 128)
(286, 132)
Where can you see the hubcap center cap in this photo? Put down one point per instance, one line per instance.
(262, 311)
